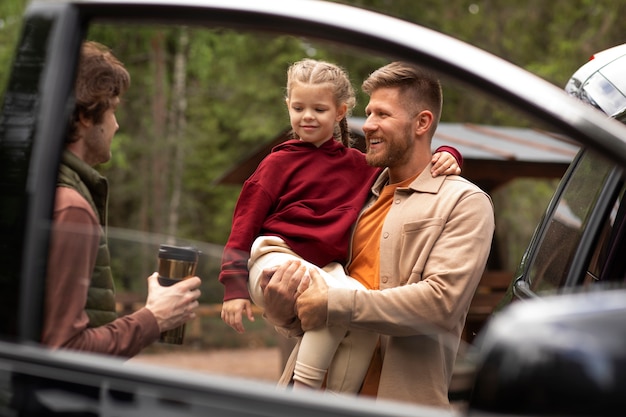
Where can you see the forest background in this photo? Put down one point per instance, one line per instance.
(170, 105)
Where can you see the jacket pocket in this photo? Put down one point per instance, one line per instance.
(417, 241)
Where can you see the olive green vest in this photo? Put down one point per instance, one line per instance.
(93, 187)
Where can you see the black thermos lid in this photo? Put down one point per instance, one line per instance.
(178, 253)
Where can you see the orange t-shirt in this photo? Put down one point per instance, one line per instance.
(365, 264)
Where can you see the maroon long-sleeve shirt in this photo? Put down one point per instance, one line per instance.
(73, 249)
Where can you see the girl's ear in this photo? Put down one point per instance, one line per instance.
(341, 112)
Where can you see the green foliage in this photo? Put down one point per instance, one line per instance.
(10, 21)
(551, 39)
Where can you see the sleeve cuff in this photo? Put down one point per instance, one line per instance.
(342, 302)
(148, 324)
(452, 151)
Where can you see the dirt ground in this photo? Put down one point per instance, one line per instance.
(258, 363)
(264, 364)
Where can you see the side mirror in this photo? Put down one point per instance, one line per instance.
(559, 355)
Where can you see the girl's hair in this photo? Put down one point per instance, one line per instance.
(311, 71)
(100, 78)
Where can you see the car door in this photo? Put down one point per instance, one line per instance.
(581, 235)
(36, 381)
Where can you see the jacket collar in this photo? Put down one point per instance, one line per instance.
(424, 183)
(87, 174)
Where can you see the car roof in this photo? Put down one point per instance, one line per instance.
(598, 61)
(601, 81)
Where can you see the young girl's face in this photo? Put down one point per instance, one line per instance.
(313, 112)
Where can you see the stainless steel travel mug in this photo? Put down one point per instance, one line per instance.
(175, 263)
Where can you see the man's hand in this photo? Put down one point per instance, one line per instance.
(233, 310)
(280, 288)
(444, 164)
(174, 305)
(312, 304)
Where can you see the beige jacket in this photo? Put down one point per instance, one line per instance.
(433, 250)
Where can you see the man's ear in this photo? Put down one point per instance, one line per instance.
(423, 122)
(84, 120)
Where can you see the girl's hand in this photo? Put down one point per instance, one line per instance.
(444, 164)
(233, 310)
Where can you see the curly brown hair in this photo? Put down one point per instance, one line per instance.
(100, 79)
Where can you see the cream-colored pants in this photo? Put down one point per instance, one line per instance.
(345, 354)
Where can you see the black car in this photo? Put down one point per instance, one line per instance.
(37, 381)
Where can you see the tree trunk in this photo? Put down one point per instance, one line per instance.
(177, 132)
(159, 150)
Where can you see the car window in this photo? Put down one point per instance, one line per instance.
(205, 103)
(171, 177)
(567, 223)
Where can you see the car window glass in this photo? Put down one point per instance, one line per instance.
(607, 263)
(175, 179)
(602, 247)
(569, 219)
(617, 102)
(201, 101)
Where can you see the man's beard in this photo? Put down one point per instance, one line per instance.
(396, 152)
